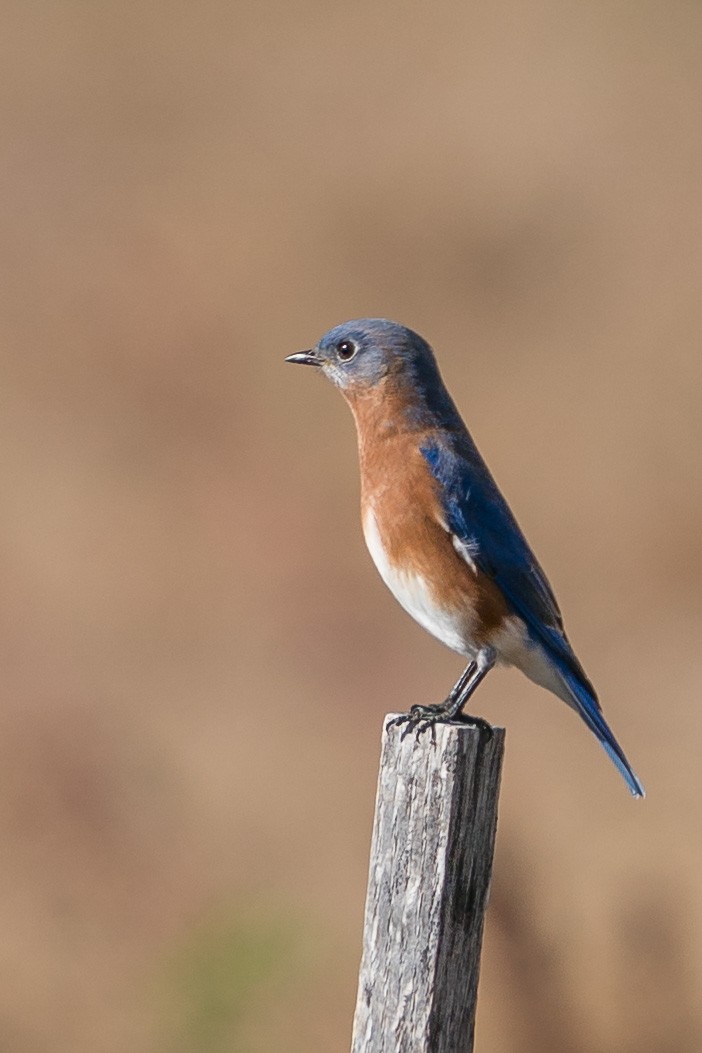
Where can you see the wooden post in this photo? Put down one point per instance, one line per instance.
(431, 858)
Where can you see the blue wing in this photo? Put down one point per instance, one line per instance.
(477, 513)
(479, 516)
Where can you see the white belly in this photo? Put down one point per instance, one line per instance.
(412, 592)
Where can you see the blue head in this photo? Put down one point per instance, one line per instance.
(367, 354)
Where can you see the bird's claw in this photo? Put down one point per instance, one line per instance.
(423, 718)
(418, 720)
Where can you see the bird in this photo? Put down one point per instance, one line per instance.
(441, 534)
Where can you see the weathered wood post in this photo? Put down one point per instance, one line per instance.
(431, 858)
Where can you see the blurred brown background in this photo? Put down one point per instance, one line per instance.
(196, 651)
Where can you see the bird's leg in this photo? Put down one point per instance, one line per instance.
(420, 718)
(439, 712)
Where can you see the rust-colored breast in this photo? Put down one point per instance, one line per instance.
(397, 484)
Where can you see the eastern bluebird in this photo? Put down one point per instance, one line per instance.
(439, 530)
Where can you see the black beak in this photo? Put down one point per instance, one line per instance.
(305, 358)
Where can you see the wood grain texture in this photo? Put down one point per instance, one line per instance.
(431, 859)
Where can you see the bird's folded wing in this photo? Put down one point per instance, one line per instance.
(478, 515)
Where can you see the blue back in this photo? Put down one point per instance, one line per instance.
(478, 514)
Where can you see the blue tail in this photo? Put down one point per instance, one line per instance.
(585, 702)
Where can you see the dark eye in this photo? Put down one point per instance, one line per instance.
(346, 349)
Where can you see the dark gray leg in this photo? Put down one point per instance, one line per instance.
(419, 718)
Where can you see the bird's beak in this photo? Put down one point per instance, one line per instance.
(305, 358)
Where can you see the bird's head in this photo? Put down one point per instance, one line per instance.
(359, 355)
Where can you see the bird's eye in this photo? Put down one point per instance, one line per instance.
(345, 350)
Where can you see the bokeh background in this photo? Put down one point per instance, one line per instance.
(196, 651)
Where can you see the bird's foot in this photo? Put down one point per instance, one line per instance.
(418, 720)
(422, 718)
